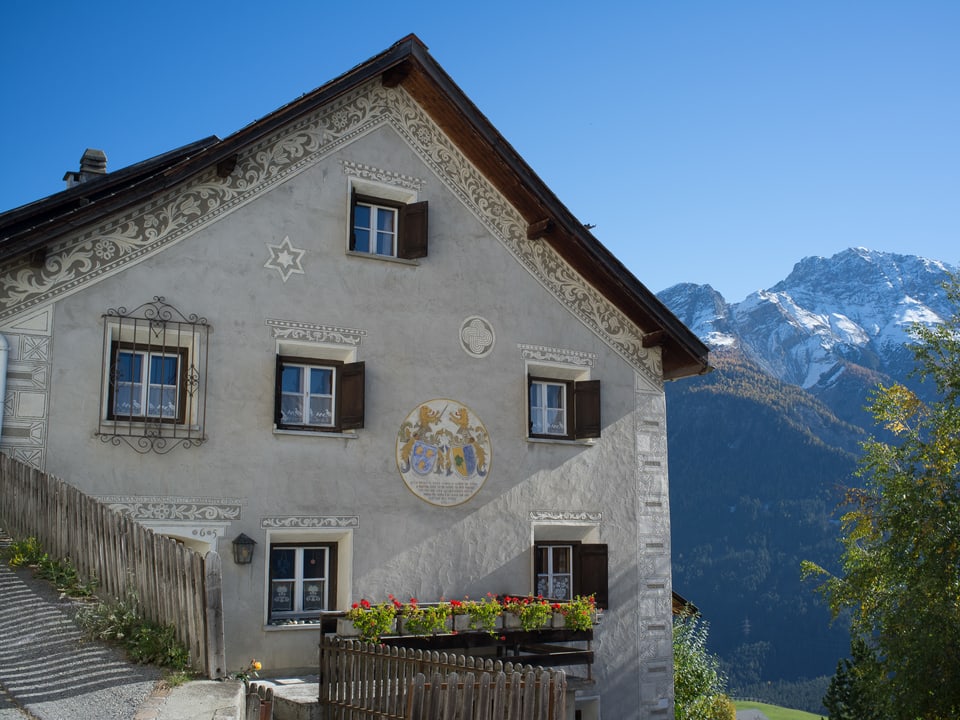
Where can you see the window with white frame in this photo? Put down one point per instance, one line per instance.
(387, 222)
(554, 565)
(375, 226)
(562, 408)
(302, 580)
(147, 383)
(320, 385)
(565, 569)
(308, 570)
(319, 394)
(153, 384)
(307, 394)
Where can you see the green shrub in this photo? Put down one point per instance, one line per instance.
(144, 642)
(63, 575)
(25, 553)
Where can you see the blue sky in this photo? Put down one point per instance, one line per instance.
(709, 142)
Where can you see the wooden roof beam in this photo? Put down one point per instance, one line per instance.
(540, 228)
(655, 338)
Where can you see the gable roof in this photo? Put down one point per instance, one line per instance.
(32, 227)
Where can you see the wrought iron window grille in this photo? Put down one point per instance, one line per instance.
(153, 383)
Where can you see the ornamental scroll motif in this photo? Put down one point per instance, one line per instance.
(308, 332)
(540, 353)
(310, 522)
(565, 516)
(174, 508)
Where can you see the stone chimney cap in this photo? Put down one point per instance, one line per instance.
(94, 161)
(92, 164)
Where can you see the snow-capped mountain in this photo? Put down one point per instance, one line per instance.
(855, 307)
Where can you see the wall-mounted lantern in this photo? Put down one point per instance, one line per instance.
(243, 549)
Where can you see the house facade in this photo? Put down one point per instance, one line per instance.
(362, 333)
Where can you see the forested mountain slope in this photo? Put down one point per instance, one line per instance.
(755, 467)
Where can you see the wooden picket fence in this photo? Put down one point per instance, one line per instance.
(172, 584)
(258, 702)
(491, 696)
(365, 681)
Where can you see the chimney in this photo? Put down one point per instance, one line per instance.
(93, 164)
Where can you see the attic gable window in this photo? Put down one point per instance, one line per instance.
(386, 221)
(153, 383)
(381, 227)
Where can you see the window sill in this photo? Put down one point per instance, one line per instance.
(347, 435)
(139, 422)
(305, 624)
(385, 258)
(586, 442)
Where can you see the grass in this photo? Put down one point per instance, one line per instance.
(773, 712)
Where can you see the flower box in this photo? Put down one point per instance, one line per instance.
(346, 628)
(461, 623)
(511, 621)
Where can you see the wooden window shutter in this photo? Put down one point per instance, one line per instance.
(353, 219)
(586, 408)
(350, 399)
(277, 393)
(412, 237)
(537, 562)
(331, 577)
(590, 573)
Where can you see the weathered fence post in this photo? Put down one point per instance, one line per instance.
(213, 585)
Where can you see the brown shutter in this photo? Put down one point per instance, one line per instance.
(412, 238)
(183, 370)
(586, 405)
(277, 393)
(112, 379)
(332, 578)
(353, 219)
(351, 396)
(590, 573)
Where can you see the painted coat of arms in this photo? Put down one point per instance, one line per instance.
(443, 452)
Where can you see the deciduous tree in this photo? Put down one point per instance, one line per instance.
(900, 574)
(698, 683)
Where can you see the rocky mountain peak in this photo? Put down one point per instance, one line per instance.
(856, 306)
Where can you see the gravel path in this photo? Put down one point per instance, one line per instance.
(48, 671)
